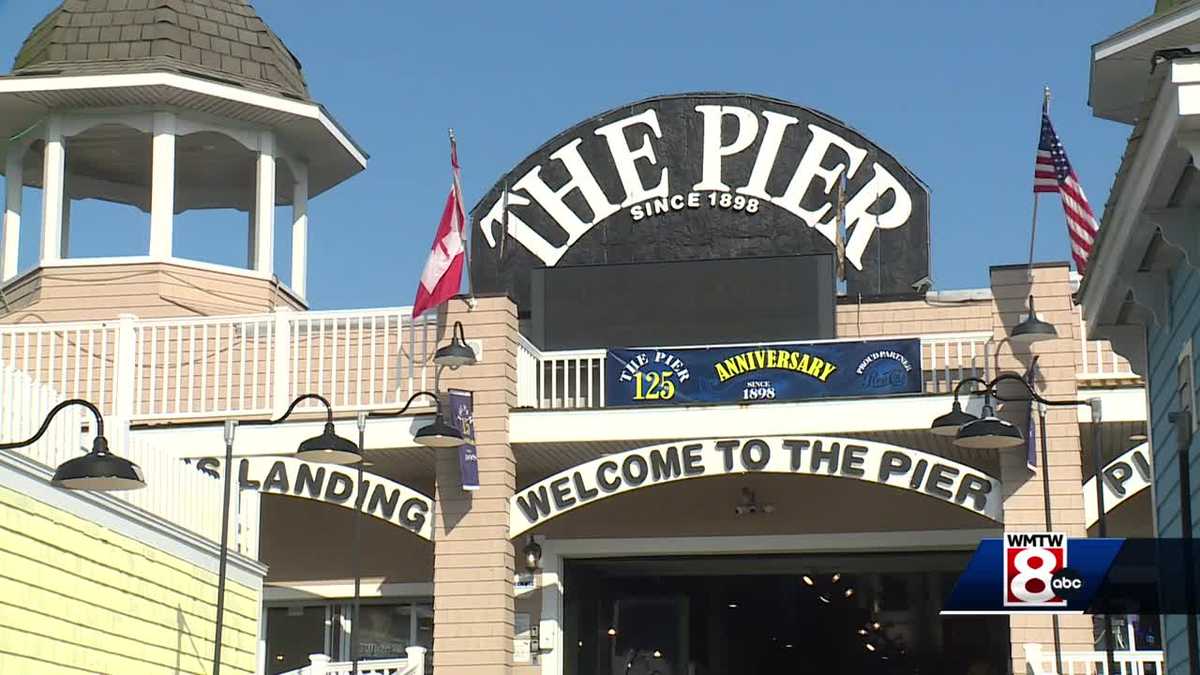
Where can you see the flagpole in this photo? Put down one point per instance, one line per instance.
(470, 299)
(1033, 226)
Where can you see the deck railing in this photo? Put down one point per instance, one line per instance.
(199, 367)
(174, 491)
(1098, 361)
(253, 365)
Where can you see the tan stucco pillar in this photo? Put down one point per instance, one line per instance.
(473, 558)
(1023, 492)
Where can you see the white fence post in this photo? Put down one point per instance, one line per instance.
(125, 365)
(319, 664)
(281, 374)
(416, 661)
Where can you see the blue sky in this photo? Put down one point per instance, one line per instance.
(951, 88)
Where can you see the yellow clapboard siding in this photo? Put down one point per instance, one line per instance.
(76, 597)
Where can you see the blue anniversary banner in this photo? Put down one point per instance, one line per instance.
(776, 372)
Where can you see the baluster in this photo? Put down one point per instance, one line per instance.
(424, 353)
(228, 366)
(321, 357)
(103, 365)
(37, 361)
(76, 366)
(1083, 345)
(255, 364)
(371, 383)
(333, 368)
(387, 328)
(241, 404)
(178, 365)
(412, 360)
(191, 390)
(151, 409)
(346, 364)
(602, 379)
(358, 364)
(308, 349)
(90, 358)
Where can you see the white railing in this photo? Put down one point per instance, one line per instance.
(1098, 361)
(204, 367)
(1042, 662)
(253, 365)
(320, 664)
(947, 359)
(174, 491)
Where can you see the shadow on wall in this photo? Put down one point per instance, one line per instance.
(183, 630)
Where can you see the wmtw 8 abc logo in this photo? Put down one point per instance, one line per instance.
(1036, 572)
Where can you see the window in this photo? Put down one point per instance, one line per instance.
(386, 630)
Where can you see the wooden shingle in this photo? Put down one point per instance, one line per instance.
(222, 39)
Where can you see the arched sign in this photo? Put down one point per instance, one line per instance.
(385, 499)
(853, 458)
(698, 177)
(1124, 477)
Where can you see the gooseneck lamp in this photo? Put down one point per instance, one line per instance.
(437, 434)
(1032, 329)
(99, 470)
(328, 447)
(458, 353)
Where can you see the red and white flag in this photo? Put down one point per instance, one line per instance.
(442, 276)
(1052, 172)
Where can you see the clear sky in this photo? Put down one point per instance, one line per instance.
(951, 88)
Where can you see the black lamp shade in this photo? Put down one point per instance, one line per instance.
(1032, 329)
(454, 355)
(329, 448)
(951, 422)
(989, 432)
(99, 471)
(438, 434)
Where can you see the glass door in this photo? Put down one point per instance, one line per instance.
(651, 636)
(293, 633)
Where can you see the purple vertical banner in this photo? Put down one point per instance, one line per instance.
(462, 417)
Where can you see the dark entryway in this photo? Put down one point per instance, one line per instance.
(774, 615)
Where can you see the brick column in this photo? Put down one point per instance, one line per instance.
(1023, 496)
(472, 555)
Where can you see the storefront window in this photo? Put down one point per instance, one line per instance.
(386, 630)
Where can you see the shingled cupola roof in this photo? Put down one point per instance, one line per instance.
(223, 40)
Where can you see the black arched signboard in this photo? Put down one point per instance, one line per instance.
(698, 177)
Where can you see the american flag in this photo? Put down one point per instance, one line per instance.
(1052, 172)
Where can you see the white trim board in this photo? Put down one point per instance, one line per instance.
(334, 589)
(17, 85)
(914, 540)
(770, 419)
